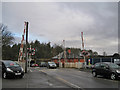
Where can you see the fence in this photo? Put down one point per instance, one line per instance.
(71, 65)
(90, 62)
(22, 64)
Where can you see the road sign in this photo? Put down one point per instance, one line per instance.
(69, 51)
(84, 52)
(31, 51)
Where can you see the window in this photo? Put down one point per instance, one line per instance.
(112, 65)
(10, 64)
(97, 65)
(103, 65)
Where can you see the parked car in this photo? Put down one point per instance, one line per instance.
(106, 69)
(11, 69)
(34, 65)
(43, 64)
(51, 65)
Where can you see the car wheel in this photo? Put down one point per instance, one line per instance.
(94, 74)
(113, 76)
(4, 75)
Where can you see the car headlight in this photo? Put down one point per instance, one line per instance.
(8, 69)
(117, 71)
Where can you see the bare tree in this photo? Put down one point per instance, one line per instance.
(6, 36)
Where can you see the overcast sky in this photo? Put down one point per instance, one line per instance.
(56, 21)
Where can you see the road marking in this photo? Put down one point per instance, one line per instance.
(73, 85)
(37, 67)
(50, 84)
(42, 71)
(31, 70)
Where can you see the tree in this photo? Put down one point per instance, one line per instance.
(6, 52)
(90, 52)
(116, 55)
(15, 51)
(7, 37)
(56, 49)
(95, 54)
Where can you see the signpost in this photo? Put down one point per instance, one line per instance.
(84, 53)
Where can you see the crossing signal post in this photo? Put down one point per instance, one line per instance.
(84, 53)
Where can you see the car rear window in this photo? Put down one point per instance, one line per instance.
(97, 65)
(112, 65)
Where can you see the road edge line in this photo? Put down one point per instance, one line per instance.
(68, 83)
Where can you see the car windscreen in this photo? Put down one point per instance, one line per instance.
(42, 62)
(11, 64)
(114, 66)
(51, 62)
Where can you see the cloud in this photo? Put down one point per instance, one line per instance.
(55, 22)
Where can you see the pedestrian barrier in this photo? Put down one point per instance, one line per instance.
(77, 65)
(22, 64)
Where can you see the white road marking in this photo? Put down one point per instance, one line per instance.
(31, 70)
(37, 67)
(50, 84)
(73, 85)
(42, 71)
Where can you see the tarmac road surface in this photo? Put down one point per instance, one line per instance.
(40, 77)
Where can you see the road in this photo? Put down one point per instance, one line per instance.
(60, 78)
(33, 79)
(81, 79)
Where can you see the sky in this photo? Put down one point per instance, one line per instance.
(57, 21)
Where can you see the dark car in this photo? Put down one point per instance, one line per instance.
(51, 65)
(11, 69)
(106, 69)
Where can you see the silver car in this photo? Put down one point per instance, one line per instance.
(51, 65)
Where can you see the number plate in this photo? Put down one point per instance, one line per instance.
(17, 73)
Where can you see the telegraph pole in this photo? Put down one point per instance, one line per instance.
(64, 52)
(26, 53)
(30, 57)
